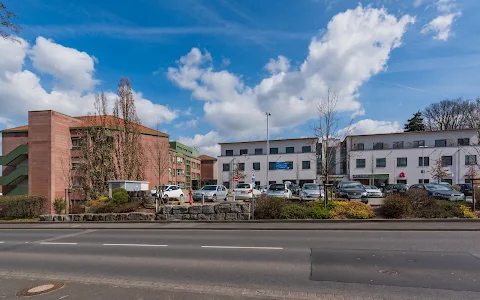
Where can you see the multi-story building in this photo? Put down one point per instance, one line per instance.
(40, 158)
(209, 170)
(411, 157)
(185, 166)
(292, 160)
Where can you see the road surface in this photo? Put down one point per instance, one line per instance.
(241, 264)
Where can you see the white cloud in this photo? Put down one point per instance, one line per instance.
(74, 69)
(441, 26)
(188, 124)
(417, 3)
(356, 46)
(369, 126)
(21, 89)
(445, 6)
(225, 62)
(205, 143)
(281, 64)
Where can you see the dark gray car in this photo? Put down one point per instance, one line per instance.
(352, 190)
(441, 192)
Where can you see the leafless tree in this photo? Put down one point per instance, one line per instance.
(159, 159)
(129, 154)
(326, 130)
(438, 171)
(472, 116)
(447, 114)
(7, 27)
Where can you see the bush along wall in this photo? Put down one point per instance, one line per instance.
(22, 207)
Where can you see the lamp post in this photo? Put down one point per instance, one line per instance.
(268, 146)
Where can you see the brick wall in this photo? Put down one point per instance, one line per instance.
(207, 170)
(150, 145)
(10, 141)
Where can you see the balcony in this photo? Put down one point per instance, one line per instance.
(15, 156)
(15, 177)
(18, 191)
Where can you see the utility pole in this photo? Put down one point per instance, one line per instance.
(268, 147)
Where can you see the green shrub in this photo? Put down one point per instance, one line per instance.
(351, 210)
(107, 207)
(127, 208)
(59, 205)
(296, 211)
(22, 207)
(119, 196)
(396, 207)
(269, 207)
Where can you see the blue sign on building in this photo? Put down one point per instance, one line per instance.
(281, 165)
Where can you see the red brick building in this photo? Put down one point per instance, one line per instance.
(34, 155)
(208, 169)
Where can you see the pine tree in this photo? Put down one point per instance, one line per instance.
(415, 123)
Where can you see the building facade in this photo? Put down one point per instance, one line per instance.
(292, 160)
(413, 157)
(185, 167)
(209, 170)
(41, 157)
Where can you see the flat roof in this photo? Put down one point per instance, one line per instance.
(413, 132)
(276, 140)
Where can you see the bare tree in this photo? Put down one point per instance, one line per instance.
(438, 171)
(159, 159)
(446, 114)
(7, 27)
(328, 133)
(472, 113)
(129, 154)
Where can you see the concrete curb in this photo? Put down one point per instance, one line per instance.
(253, 229)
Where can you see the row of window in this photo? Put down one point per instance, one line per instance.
(422, 162)
(259, 151)
(415, 144)
(271, 166)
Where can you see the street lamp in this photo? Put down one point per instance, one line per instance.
(268, 146)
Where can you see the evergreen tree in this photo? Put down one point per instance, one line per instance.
(415, 123)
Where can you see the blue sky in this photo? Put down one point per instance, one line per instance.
(207, 70)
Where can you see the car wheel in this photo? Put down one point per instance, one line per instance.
(214, 198)
(225, 199)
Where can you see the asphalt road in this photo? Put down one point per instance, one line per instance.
(189, 264)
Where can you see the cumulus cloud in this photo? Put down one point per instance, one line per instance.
(188, 124)
(281, 64)
(205, 143)
(21, 89)
(369, 126)
(417, 3)
(355, 46)
(441, 26)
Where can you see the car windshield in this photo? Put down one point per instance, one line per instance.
(371, 187)
(351, 185)
(243, 186)
(311, 186)
(402, 186)
(209, 188)
(277, 187)
(437, 187)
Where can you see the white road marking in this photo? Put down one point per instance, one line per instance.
(53, 243)
(2, 242)
(136, 245)
(238, 247)
(66, 236)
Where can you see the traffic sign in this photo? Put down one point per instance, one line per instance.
(235, 179)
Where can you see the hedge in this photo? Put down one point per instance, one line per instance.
(22, 207)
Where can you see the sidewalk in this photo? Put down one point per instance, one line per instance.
(369, 225)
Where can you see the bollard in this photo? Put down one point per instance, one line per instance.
(191, 197)
(203, 199)
(253, 206)
(233, 197)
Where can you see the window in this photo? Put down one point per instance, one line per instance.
(418, 144)
(179, 160)
(381, 162)
(290, 165)
(424, 181)
(401, 162)
(243, 151)
(226, 167)
(463, 142)
(257, 183)
(273, 150)
(180, 172)
(75, 163)
(359, 146)
(446, 161)
(377, 146)
(76, 181)
(241, 166)
(256, 166)
(258, 151)
(271, 165)
(361, 163)
(470, 160)
(75, 143)
(290, 150)
(398, 145)
(306, 165)
(306, 149)
(425, 162)
(229, 152)
(440, 143)
(169, 171)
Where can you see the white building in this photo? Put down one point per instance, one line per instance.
(397, 157)
(297, 156)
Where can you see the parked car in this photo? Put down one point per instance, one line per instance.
(387, 190)
(263, 189)
(172, 191)
(400, 188)
(441, 192)
(279, 190)
(352, 190)
(311, 191)
(373, 191)
(245, 191)
(466, 188)
(294, 188)
(211, 193)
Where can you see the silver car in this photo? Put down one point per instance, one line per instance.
(311, 191)
(373, 191)
(279, 190)
(211, 193)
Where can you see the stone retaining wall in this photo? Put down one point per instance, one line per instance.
(223, 211)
